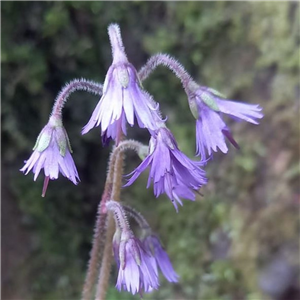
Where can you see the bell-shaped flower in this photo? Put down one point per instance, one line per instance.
(207, 105)
(153, 245)
(52, 152)
(123, 96)
(171, 171)
(137, 267)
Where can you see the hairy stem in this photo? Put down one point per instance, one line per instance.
(119, 214)
(105, 227)
(100, 233)
(107, 259)
(107, 254)
(137, 217)
(97, 249)
(69, 88)
(169, 62)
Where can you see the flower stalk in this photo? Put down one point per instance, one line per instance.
(113, 181)
(169, 62)
(71, 87)
(103, 278)
(100, 231)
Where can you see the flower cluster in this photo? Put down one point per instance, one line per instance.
(123, 100)
(137, 267)
(138, 260)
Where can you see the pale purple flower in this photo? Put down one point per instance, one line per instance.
(52, 152)
(114, 131)
(207, 106)
(137, 268)
(171, 171)
(123, 96)
(153, 245)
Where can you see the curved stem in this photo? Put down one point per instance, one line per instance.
(119, 214)
(107, 254)
(137, 217)
(169, 62)
(104, 229)
(69, 88)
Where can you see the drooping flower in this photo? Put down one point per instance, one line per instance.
(153, 245)
(123, 96)
(52, 152)
(207, 105)
(171, 171)
(137, 267)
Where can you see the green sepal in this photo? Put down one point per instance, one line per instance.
(62, 140)
(68, 141)
(37, 141)
(42, 141)
(216, 93)
(62, 144)
(209, 101)
(193, 108)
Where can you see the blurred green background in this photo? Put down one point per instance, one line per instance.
(239, 241)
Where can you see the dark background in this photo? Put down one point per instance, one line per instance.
(239, 241)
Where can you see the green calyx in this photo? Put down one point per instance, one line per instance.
(61, 141)
(207, 96)
(193, 107)
(43, 140)
(54, 129)
(209, 100)
(61, 135)
(216, 93)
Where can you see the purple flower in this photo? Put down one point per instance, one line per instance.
(172, 171)
(114, 131)
(207, 105)
(153, 245)
(137, 268)
(52, 152)
(123, 96)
